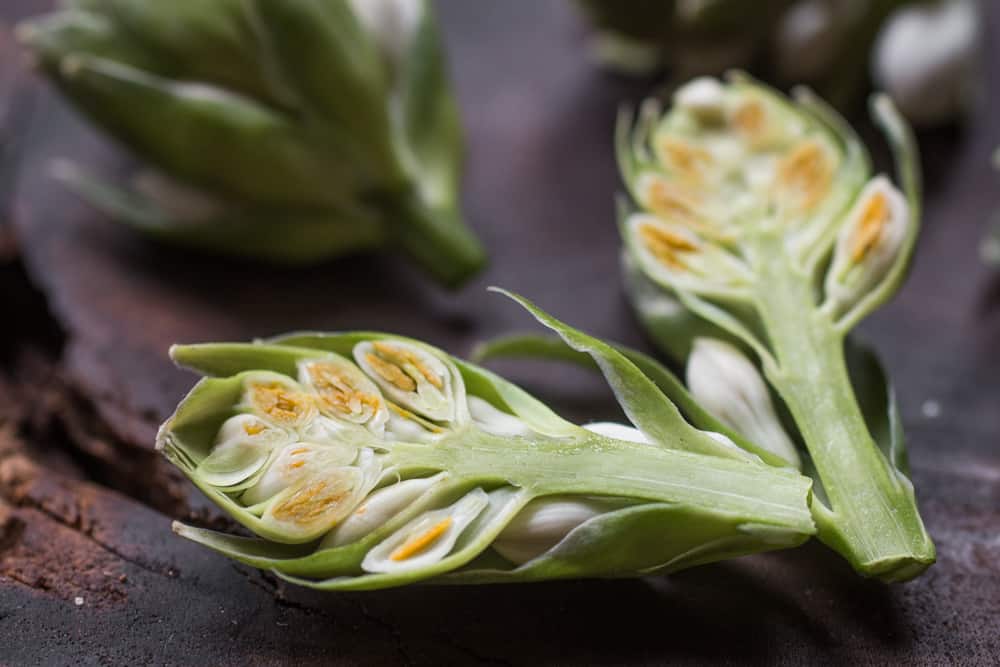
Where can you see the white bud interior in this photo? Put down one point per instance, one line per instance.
(242, 447)
(295, 462)
(618, 432)
(426, 539)
(344, 392)
(729, 386)
(494, 421)
(379, 508)
(278, 399)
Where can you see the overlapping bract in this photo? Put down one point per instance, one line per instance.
(288, 131)
(365, 460)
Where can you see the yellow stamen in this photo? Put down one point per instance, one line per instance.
(666, 245)
(406, 414)
(299, 450)
(807, 171)
(278, 402)
(750, 119)
(671, 201)
(391, 373)
(254, 428)
(421, 542)
(401, 357)
(296, 464)
(689, 161)
(868, 231)
(311, 502)
(339, 391)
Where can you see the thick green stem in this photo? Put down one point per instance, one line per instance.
(595, 465)
(872, 518)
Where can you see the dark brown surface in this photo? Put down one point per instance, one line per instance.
(539, 190)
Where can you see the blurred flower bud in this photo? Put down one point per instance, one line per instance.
(726, 383)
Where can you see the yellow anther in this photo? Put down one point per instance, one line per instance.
(750, 119)
(254, 428)
(400, 358)
(671, 201)
(298, 450)
(868, 231)
(296, 464)
(687, 160)
(415, 545)
(311, 502)
(391, 372)
(339, 391)
(406, 414)
(666, 245)
(278, 402)
(806, 170)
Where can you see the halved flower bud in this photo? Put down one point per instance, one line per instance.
(428, 538)
(867, 244)
(729, 386)
(492, 420)
(295, 462)
(279, 399)
(671, 253)
(378, 508)
(411, 376)
(344, 392)
(804, 176)
(322, 497)
(241, 448)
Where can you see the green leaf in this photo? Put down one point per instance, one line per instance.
(643, 402)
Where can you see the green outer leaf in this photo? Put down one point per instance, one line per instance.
(643, 402)
(550, 348)
(281, 235)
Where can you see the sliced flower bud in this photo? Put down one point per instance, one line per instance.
(729, 386)
(428, 538)
(804, 176)
(379, 508)
(279, 399)
(322, 498)
(295, 462)
(671, 253)
(405, 426)
(867, 243)
(344, 392)
(242, 447)
(411, 376)
(544, 523)
(495, 421)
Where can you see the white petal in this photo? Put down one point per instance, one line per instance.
(495, 421)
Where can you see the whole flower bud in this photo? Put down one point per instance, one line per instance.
(723, 380)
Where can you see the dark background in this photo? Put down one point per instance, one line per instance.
(90, 572)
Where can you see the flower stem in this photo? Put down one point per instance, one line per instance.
(872, 518)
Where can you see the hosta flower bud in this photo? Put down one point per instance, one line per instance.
(726, 383)
(412, 377)
(279, 399)
(242, 446)
(926, 59)
(867, 244)
(344, 392)
(543, 524)
(426, 539)
(494, 421)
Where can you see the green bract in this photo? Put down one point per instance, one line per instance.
(760, 217)
(365, 460)
(289, 131)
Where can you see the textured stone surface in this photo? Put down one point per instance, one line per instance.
(539, 190)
